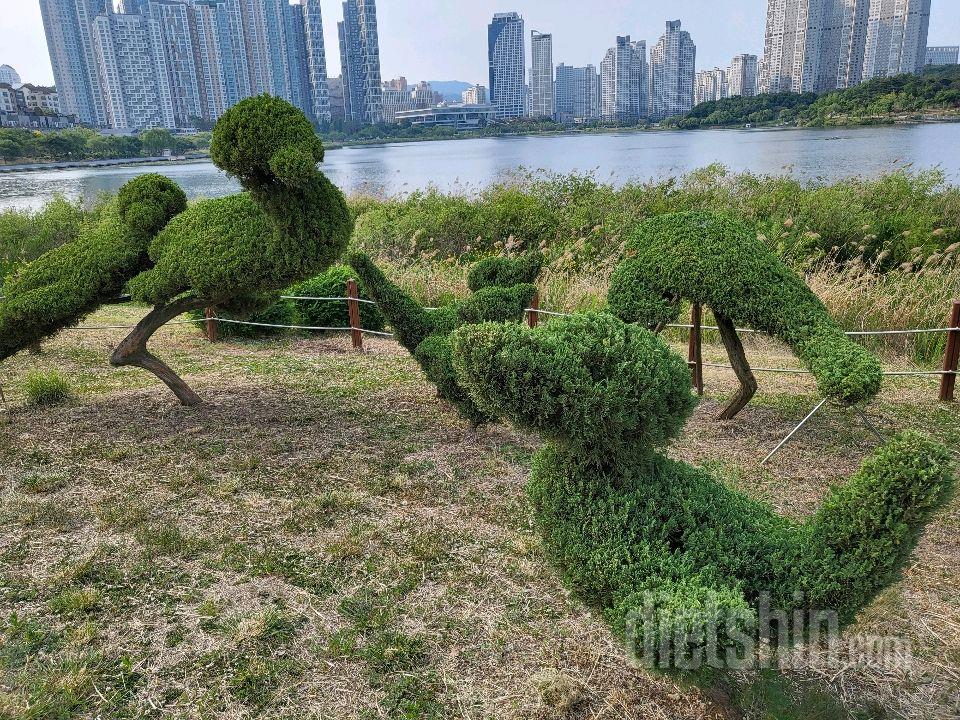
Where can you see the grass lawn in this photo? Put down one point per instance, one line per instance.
(324, 538)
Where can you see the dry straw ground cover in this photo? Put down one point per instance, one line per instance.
(324, 538)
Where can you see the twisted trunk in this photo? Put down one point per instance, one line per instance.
(738, 359)
(133, 350)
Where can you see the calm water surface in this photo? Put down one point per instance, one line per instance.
(462, 165)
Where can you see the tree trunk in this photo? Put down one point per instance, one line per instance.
(738, 359)
(133, 350)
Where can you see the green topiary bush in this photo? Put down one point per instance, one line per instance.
(67, 283)
(425, 333)
(234, 253)
(642, 537)
(333, 283)
(719, 262)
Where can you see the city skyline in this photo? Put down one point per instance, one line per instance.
(581, 36)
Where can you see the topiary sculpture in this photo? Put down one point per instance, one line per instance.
(636, 534)
(502, 291)
(65, 284)
(231, 252)
(717, 261)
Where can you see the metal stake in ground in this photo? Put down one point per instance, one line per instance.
(794, 431)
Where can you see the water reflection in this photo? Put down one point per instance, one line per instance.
(463, 165)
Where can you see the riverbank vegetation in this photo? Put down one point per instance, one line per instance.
(882, 100)
(881, 252)
(25, 146)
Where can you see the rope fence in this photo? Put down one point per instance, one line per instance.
(948, 374)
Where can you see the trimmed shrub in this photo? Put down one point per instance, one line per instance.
(290, 224)
(717, 261)
(69, 282)
(638, 535)
(425, 333)
(333, 284)
(48, 388)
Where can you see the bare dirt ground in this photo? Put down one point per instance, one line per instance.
(324, 538)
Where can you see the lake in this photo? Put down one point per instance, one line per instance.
(462, 165)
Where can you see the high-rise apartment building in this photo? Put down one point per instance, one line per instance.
(505, 55)
(710, 86)
(821, 45)
(742, 76)
(337, 109)
(578, 94)
(316, 57)
(132, 72)
(672, 71)
(896, 37)
(360, 62)
(476, 95)
(943, 55)
(624, 95)
(542, 100)
(175, 21)
(68, 25)
(9, 76)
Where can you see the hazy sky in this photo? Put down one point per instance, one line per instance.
(444, 40)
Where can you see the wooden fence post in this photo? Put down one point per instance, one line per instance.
(533, 317)
(353, 309)
(951, 357)
(211, 324)
(695, 348)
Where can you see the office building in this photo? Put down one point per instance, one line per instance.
(943, 55)
(456, 117)
(577, 94)
(542, 101)
(505, 55)
(360, 63)
(672, 72)
(742, 76)
(896, 37)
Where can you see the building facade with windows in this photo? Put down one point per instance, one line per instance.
(624, 82)
(360, 63)
(743, 76)
(578, 94)
(943, 55)
(672, 73)
(542, 98)
(505, 56)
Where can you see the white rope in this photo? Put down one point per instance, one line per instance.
(130, 327)
(793, 371)
(301, 327)
(330, 299)
(687, 326)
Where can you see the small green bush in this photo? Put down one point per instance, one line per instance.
(333, 284)
(717, 261)
(425, 333)
(638, 535)
(48, 388)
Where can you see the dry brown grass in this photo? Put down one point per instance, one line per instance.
(325, 539)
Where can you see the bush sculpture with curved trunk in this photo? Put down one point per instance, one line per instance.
(502, 291)
(233, 252)
(719, 262)
(638, 535)
(65, 284)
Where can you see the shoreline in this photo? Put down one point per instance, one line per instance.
(571, 132)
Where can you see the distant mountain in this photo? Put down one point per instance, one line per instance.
(452, 90)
